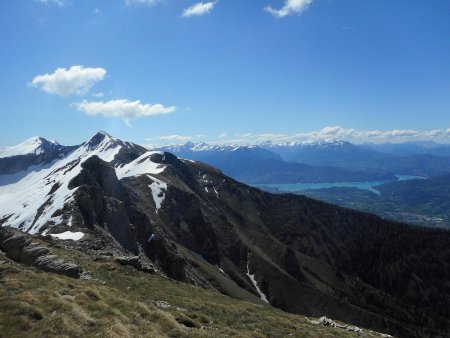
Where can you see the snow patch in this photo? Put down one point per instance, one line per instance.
(140, 166)
(186, 160)
(152, 236)
(158, 187)
(69, 235)
(255, 284)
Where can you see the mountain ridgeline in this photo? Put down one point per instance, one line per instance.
(255, 164)
(197, 225)
(318, 162)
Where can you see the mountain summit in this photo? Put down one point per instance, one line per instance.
(189, 221)
(35, 145)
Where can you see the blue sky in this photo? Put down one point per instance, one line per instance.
(223, 70)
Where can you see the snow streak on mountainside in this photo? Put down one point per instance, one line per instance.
(40, 196)
(255, 284)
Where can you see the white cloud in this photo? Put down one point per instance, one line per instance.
(342, 134)
(198, 9)
(290, 7)
(64, 82)
(376, 136)
(223, 135)
(125, 109)
(173, 139)
(98, 95)
(54, 2)
(177, 138)
(141, 2)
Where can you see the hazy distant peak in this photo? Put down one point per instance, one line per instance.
(34, 145)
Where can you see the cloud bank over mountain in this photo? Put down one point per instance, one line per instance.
(335, 133)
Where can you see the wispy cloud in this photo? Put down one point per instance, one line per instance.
(223, 135)
(290, 7)
(176, 138)
(141, 2)
(54, 2)
(198, 9)
(124, 109)
(64, 82)
(98, 95)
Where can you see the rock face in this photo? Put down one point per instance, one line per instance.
(101, 201)
(20, 247)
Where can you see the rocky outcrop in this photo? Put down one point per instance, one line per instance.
(21, 248)
(101, 200)
(53, 263)
(136, 262)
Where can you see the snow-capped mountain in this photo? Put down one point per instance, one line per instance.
(35, 151)
(190, 148)
(272, 163)
(35, 145)
(35, 197)
(323, 153)
(305, 143)
(410, 148)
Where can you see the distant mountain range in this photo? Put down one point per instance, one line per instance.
(114, 200)
(410, 148)
(312, 162)
(255, 164)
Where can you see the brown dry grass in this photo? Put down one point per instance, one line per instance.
(123, 303)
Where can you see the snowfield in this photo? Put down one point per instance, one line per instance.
(69, 235)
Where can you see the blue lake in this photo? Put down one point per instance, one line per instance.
(294, 187)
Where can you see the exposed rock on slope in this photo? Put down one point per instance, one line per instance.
(20, 248)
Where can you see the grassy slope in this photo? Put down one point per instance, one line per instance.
(122, 302)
